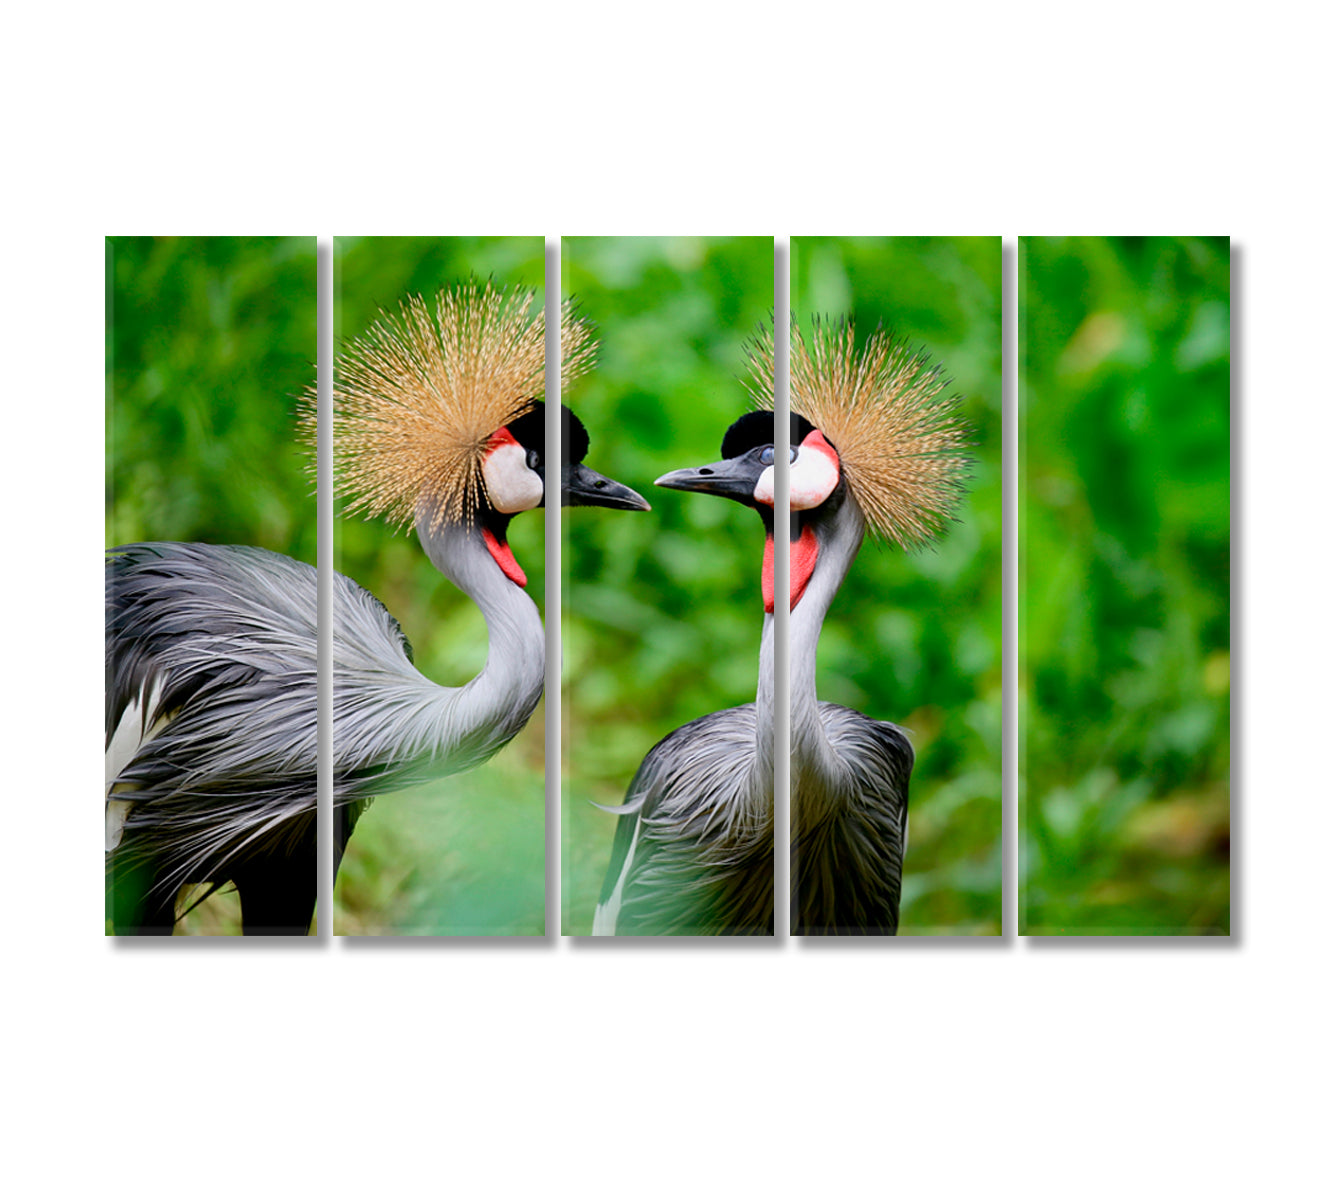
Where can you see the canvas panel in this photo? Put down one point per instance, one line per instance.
(912, 638)
(1124, 585)
(662, 611)
(209, 343)
(459, 850)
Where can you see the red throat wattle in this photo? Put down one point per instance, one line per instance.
(804, 551)
(504, 557)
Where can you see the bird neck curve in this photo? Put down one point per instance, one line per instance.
(492, 707)
(816, 769)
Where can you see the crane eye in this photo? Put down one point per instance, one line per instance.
(534, 460)
(767, 456)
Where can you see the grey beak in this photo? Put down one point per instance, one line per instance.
(734, 478)
(581, 487)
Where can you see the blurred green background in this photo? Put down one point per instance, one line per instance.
(661, 611)
(464, 855)
(208, 343)
(1124, 582)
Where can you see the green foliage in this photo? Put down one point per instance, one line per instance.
(460, 856)
(1125, 493)
(209, 342)
(662, 611)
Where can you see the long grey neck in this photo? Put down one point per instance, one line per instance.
(816, 770)
(763, 790)
(484, 714)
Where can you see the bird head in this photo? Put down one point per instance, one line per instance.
(436, 421)
(514, 468)
(514, 479)
(746, 475)
(871, 430)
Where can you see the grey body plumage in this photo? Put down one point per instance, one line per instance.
(217, 645)
(847, 851)
(211, 657)
(694, 847)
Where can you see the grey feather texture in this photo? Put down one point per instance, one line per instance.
(848, 848)
(222, 641)
(690, 859)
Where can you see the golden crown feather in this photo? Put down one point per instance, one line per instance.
(417, 397)
(900, 438)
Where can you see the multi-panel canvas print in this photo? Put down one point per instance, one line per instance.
(896, 581)
(667, 790)
(440, 478)
(630, 543)
(210, 529)
(1124, 501)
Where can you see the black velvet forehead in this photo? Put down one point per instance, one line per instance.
(758, 429)
(530, 431)
(573, 436)
(753, 429)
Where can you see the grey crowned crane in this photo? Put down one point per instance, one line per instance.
(211, 650)
(874, 444)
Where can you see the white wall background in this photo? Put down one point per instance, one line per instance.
(1148, 1069)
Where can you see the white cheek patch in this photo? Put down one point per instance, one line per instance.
(511, 484)
(764, 487)
(814, 473)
